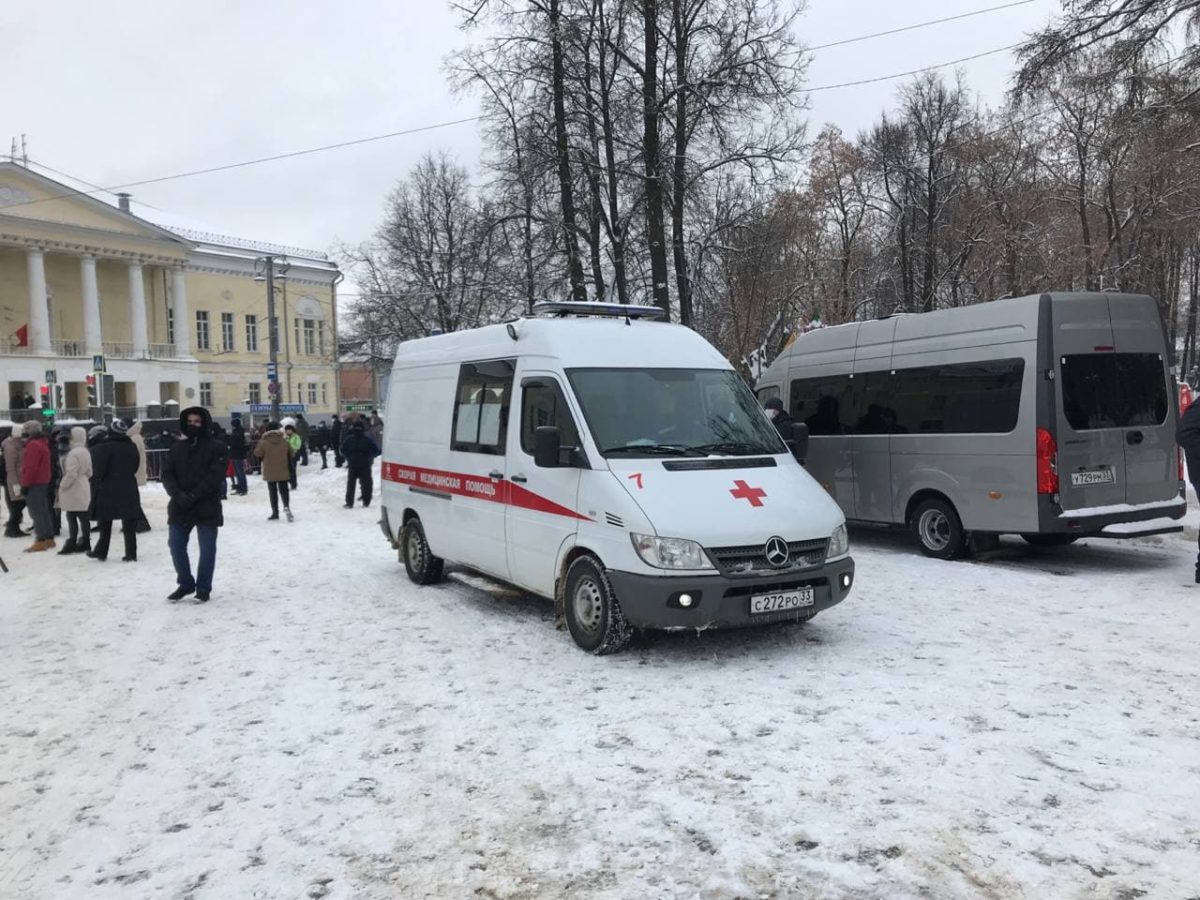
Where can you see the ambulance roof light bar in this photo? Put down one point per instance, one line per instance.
(563, 308)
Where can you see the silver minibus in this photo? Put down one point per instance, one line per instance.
(1050, 416)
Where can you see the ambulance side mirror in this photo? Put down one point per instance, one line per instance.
(799, 442)
(547, 443)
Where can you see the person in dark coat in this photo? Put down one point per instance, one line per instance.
(115, 463)
(359, 451)
(779, 416)
(192, 476)
(1187, 436)
(305, 432)
(321, 440)
(239, 448)
(336, 431)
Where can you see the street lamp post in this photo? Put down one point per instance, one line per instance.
(266, 265)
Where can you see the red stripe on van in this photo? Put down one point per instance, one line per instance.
(479, 487)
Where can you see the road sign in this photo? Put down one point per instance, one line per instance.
(98, 363)
(272, 372)
(272, 387)
(264, 408)
(359, 407)
(51, 376)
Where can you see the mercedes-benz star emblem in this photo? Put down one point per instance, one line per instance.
(777, 552)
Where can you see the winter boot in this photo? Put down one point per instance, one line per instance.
(287, 512)
(13, 530)
(69, 547)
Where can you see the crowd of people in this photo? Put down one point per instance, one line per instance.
(92, 479)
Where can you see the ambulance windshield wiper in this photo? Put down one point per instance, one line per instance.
(732, 448)
(665, 449)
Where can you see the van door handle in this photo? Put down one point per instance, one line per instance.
(520, 479)
(496, 476)
(1134, 437)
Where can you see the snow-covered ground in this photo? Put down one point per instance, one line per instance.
(1025, 727)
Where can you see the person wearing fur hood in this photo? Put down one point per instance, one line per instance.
(75, 494)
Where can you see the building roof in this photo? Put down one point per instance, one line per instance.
(201, 236)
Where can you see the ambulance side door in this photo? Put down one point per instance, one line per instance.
(541, 510)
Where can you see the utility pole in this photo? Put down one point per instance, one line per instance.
(273, 337)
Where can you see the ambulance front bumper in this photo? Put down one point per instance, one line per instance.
(718, 601)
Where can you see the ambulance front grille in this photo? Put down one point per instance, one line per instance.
(752, 559)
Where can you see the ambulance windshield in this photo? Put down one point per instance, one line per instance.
(682, 412)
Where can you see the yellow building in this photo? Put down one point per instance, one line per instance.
(179, 315)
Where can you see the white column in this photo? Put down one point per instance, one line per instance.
(39, 310)
(92, 336)
(137, 311)
(179, 311)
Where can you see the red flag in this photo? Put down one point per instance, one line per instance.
(23, 336)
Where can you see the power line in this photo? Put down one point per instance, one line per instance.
(953, 62)
(916, 25)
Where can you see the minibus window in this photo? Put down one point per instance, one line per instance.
(692, 412)
(1113, 390)
(544, 404)
(481, 406)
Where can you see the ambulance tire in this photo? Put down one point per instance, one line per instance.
(593, 613)
(420, 563)
(938, 529)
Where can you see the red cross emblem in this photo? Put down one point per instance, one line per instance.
(743, 491)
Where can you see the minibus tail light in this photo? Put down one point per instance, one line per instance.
(1047, 463)
(1179, 456)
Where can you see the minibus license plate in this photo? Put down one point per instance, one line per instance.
(778, 602)
(1096, 476)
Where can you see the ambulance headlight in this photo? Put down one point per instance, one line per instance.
(670, 553)
(839, 543)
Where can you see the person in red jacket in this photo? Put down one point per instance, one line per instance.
(35, 485)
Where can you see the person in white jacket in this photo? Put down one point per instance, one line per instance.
(135, 434)
(75, 494)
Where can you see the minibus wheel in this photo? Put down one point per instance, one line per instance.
(593, 613)
(938, 529)
(420, 563)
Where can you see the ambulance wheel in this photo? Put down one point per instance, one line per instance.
(422, 566)
(1049, 540)
(938, 529)
(594, 616)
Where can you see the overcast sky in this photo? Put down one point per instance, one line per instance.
(120, 92)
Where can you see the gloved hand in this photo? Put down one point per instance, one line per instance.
(185, 499)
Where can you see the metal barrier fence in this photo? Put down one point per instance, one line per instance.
(154, 463)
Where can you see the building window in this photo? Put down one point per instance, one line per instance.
(202, 331)
(312, 394)
(296, 332)
(252, 334)
(310, 337)
(321, 337)
(170, 325)
(254, 392)
(324, 394)
(226, 331)
(206, 399)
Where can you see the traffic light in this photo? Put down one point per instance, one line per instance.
(47, 400)
(60, 398)
(92, 392)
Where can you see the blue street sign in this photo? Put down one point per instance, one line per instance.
(264, 408)
(98, 363)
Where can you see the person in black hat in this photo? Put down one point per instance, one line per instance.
(779, 416)
(115, 493)
(359, 451)
(193, 476)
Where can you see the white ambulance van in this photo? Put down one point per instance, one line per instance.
(612, 462)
